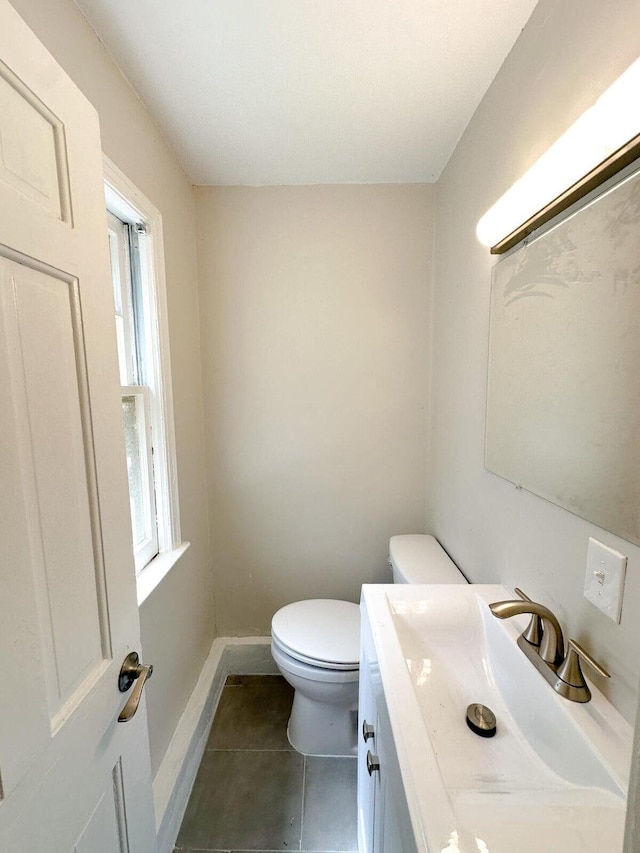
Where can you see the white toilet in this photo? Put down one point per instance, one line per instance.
(316, 646)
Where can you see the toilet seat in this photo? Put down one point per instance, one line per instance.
(320, 632)
(305, 660)
(311, 671)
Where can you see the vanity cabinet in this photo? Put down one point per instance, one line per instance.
(555, 776)
(384, 823)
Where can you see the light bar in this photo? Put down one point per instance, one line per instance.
(604, 140)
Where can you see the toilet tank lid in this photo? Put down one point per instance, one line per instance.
(322, 629)
(419, 558)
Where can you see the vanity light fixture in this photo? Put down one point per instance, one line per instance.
(604, 140)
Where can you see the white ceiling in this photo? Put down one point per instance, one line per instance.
(310, 91)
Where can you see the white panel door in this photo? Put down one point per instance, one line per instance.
(71, 777)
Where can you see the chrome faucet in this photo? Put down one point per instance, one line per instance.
(542, 642)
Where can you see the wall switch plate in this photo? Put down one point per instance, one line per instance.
(604, 581)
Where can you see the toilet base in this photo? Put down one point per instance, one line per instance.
(320, 728)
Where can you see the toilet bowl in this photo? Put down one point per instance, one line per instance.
(316, 646)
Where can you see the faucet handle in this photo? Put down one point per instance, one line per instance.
(570, 671)
(533, 632)
(574, 653)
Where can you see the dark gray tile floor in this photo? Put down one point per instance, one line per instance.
(254, 793)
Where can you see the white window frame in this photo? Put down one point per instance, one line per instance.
(131, 334)
(126, 202)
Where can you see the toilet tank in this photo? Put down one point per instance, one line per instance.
(418, 558)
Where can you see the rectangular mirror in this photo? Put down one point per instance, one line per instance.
(563, 398)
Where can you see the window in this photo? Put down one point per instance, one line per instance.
(135, 239)
(136, 379)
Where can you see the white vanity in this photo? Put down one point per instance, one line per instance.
(555, 775)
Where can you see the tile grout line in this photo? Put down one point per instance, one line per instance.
(244, 749)
(304, 784)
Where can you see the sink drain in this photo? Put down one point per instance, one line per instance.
(481, 720)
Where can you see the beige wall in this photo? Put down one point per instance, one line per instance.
(177, 619)
(566, 56)
(314, 329)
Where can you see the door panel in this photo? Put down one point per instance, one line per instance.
(42, 326)
(23, 701)
(32, 151)
(71, 777)
(104, 831)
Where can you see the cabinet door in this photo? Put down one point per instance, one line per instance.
(367, 715)
(393, 832)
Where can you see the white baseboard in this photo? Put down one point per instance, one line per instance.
(175, 777)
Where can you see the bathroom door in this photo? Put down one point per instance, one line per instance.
(71, 777)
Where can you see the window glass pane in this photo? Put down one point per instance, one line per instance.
(117, 296)
(140, 313)
(121, 350)
(115, 273)
(122, 294)
(136, 457)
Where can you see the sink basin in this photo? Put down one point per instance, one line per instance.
(555, 773)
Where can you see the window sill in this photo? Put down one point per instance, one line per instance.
(158, 568)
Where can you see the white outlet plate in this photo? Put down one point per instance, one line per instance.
(604, 580)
